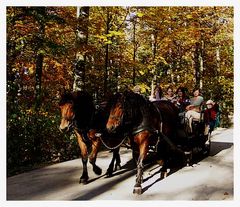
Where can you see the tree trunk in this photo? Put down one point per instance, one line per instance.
(134, 50)
(81, 44)
(106, 71)
(106, 55)
(154, 50)
(38, 79)
(197, 64)
(198, 59)
(39, 60)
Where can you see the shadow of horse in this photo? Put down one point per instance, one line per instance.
(127, 171)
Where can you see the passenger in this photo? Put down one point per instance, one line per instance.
(170, 96)
(182, 100)
(157, 94)
(210, 116)
(194, 109)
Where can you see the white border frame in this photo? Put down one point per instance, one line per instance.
(101, 203)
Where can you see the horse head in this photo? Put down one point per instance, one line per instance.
(116, 114)
(77, 110)
(66, 106)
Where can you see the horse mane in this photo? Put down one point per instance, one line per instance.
(113, 100)
(138, 108)
(78, 98)
(66, 97)
(83, 107)
(139, 101)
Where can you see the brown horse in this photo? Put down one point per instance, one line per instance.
(147, 124)
(79, 114)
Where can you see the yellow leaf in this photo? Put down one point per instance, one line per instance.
(139, 14)
(109, 42)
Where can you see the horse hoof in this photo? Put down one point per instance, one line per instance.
(117, 167)
(108, 174)
(137, 190)
(97, 170)
(163, 175)
(83, 181)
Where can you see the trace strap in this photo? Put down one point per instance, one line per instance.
(112, 148)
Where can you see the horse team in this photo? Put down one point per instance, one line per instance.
(126, 115)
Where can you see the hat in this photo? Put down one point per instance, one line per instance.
(209, 102)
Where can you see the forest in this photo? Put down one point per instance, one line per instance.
(104, 50)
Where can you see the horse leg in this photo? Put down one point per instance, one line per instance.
(135, 153)
(142, 140)
(84, 153)
(110, 167)
(162, 158)
(116, 157)
(96, 143)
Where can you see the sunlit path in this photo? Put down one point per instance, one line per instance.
(202, 181)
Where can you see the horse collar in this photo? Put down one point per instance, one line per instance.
(139, 129)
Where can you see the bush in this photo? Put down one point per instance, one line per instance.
(33, 140)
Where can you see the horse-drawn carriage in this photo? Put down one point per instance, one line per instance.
(197, 143)
(146, 124)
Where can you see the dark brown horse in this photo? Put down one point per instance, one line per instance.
(78, 113)
(147, 124)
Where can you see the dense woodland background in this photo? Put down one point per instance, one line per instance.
(104, 50)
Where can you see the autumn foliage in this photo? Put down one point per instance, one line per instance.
(111, 49)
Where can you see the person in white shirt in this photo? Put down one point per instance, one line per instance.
(194, 109)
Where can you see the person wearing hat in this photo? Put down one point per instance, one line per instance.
(210, 115)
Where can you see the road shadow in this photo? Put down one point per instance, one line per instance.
(129, 169)
(130, 165)
(126, 171)
(61, 181)
(172, 171)
(217, 147)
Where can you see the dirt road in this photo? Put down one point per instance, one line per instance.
(209, 179)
